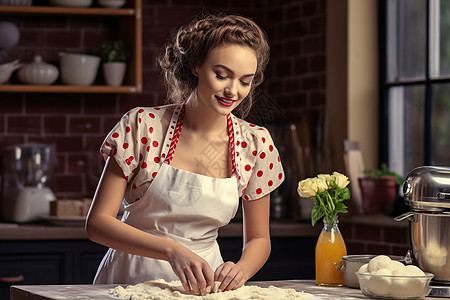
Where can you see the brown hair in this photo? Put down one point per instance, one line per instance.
(191, 44)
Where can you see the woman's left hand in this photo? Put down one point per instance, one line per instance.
(230, 275)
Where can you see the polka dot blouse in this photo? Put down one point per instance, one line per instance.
(137, 145)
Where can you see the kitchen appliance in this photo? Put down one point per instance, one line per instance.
(427, 191)
(26, 171)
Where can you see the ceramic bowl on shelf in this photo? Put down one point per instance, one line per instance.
(394, 286)
(71, 3)
(38, 72)
(112, 3)
(78, 69)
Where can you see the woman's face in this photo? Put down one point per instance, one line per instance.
(225, 78)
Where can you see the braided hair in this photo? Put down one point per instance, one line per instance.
(191, 44)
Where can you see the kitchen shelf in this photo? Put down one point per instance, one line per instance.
(130, 20)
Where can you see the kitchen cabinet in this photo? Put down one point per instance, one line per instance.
(127, 20)
(47, 262)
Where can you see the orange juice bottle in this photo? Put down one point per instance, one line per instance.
(330, 249)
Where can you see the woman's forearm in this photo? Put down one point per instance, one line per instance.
(113, 233)
(254, 255)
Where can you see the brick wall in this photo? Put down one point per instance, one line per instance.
(77, 123)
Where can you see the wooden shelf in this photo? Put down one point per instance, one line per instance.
(130, 30)
(55, 10)
(24, 88)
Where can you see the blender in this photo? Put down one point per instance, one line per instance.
(26, 168)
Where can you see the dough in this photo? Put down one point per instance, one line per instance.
(162, 290)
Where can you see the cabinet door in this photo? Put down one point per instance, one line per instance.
(30, 269)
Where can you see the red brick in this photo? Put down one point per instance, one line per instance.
(368, 233)
(100, 104)
(284, 68)
(84, 125)
(77, 163)
(396, 235)
(24, 124)
(93, 144)
(64, 39)
(354, 248)
(68, 183)
(53, 103)
(171, 17)
(378, 249)
(54, 124)
(11, 103)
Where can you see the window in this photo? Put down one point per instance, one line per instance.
(415, 78)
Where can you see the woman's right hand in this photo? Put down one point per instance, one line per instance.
(194, 272)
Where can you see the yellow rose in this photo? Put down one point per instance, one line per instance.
(322, 184)
(340, 179)
(327, 178)
(307, 188)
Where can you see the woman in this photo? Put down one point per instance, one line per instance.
(182, 167)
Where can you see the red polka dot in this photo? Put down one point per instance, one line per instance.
(139, 120)
(151, 115)
(263, 140)
(155, 144)
(262, 155)
(150, 130)
(258, 191)
(107, 144)
(246, 197)
(259, 173)
(133, 186)
(238, 143)
(144, 140)
(157, 108)
(254, 152)
(247, 167)
(128, 129)
(125, 145)
(144, 165)
(244, 145)
(271, 166)
(115, 135)
(154, 174)
(163, 155)
(280, 176)
(156, 159)
(141, 111)
(271, 148)
(129, 160)
(252, 125)
(270, 183)
(126, 177)
(278, 159)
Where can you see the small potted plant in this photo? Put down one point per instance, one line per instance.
(114, 55)
(379, 189)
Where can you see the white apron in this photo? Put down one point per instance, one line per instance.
(186, 207)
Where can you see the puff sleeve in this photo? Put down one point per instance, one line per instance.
(121, 144)
(266, 170)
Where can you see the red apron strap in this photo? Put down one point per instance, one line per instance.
(177, 132)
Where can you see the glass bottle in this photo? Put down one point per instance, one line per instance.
(330, 249)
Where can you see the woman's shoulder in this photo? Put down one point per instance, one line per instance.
(249, 130)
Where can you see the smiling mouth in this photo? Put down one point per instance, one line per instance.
(226, 101)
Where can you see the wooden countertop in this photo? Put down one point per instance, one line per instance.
(45, 231)
(98, 292)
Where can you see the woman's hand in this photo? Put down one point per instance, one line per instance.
(230, 275)
(194, 272)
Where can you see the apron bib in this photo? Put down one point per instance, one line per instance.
(186, 207)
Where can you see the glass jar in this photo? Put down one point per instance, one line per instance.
(330, 249)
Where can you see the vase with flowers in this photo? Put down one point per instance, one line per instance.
(328, 191)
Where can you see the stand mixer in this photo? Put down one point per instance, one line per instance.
(26, 168)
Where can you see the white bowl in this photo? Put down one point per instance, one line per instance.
(71, 3)
(394, 286)
(78, 69)
(112, 3)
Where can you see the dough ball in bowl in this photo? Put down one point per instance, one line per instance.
(379, 262)
(380, 283)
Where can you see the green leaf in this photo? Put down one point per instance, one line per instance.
(316, 214)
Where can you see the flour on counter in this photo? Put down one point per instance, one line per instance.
(162, 290)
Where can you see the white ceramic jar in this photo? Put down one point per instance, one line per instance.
(78, 69)
(38, 72)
